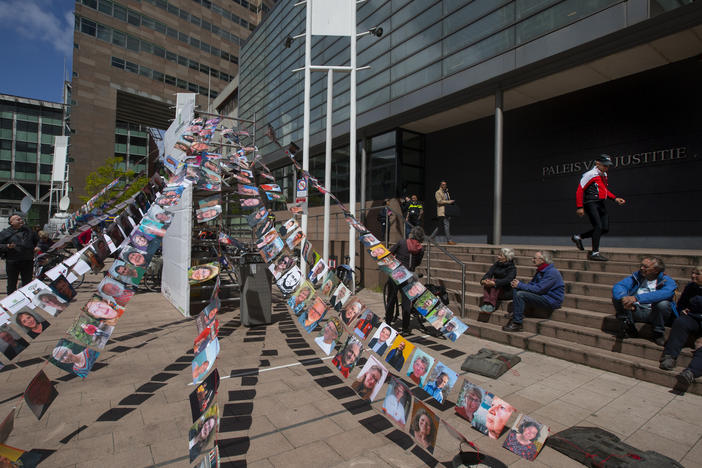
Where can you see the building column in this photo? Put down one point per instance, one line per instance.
(497, 197)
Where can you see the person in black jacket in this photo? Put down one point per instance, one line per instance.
(688, 323)
(496, 282)
(18, 243)
(409, 252)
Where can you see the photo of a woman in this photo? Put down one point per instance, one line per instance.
(424, 426)
(31, 323)
(522, 438)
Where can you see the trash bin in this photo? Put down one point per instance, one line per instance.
(256, 284)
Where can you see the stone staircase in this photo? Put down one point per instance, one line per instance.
(583, 330)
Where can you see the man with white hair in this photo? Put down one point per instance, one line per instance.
(545, 290)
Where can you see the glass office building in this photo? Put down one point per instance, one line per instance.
(27, 131)
(426, 105)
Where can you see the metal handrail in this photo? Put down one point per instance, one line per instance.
(430, 240)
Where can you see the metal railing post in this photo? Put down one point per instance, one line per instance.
(428, 262)
(463, 287)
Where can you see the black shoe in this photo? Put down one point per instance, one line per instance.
(627, 330)
(667, 362)
(685, 378)
(513, 327)
(659, 340)
(597, 257)
(578, 242)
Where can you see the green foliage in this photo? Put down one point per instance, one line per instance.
(103, 175)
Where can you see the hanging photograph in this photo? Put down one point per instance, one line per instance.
(289, 280)
(398, 402)
(202, 433)
(423, 426)
(347, 358)
(526, 438)
(11, 343)
(39, 394)
(209, 213)
(202, 397)
(370, 379)
(382, 339)
(419, 367)
(90, 331)
(201, 273)
(31, 322)
(399, 353)
(329, 335)
(469, 399)
(73, 358)
(310, 317)
(440, 382)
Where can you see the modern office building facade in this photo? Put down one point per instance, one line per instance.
(27, 131)
(131, 58)
(571, 78)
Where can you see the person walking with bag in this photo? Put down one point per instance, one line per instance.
(18, 244)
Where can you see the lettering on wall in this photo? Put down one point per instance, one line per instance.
(622, 161)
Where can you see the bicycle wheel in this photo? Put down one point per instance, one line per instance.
(358, 279)
(76, 284)
(386, 295)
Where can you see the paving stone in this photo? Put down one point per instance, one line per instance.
(268, 446)
(646, 440)
(322, 454)
(316, 430)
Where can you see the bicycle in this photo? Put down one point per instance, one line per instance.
(348, 277)
(153, 275)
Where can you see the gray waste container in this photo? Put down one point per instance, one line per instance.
(256, 284)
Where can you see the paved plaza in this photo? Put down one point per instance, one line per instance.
(283, 403)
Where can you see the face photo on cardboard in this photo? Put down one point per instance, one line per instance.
(267, 238)
(480, 415)
(423, 426)
(11, 343)
(419, 367)
(207, 316)
(31, 322)
(382, 339)
(103, 309)
(201, 273)
(263, 228)
(425, 303)
(115, 234)
(329, 335)
(170, 196)
(365, 324)
(134, 213)
(205, 336)
(39, 394)
(152, 228)
(142, 203)
(158, 214)
(369, 240)
(305, 250)
(202, 433)
(379, 251)
(258, 216)
(271, 251)
(101, 248)
(270, 187)
(209, 213)
(250, 203)
(317, 272)
(74, 358)
(135, 257)
(347, 358)
(390, 262)
(327, 285)
(295, 238)
(124, 224)
(413, 290)
(440, 382)
(351, 311)
(281, 265)
(399, 353)
(126, 273)
(401, 275)
(114, 290)
(526, 438)
(370, 379)
(90, 331)
(49, 302)
(247, 190)
(310, 317)
(203, 362)
(144, 242)
(303, 295)
(497, 416)
(470, 396)
(398, 402)
(439, 316)
(340, 297)
(62, 288)
(454, 329)
(289, 280)
(202, 397)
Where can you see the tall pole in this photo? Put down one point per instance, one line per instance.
(497, 198)
(306, 106)
(352, 144)
(327, 163)
(363, 181)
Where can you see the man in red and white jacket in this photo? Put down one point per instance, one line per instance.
(590, 198)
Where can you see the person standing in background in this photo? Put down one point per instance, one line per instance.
(590, 199)
(442, 199)
(18, 243)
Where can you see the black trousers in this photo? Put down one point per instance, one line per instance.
(684, 326)
(15, 270)
(390, 308)
(597, 213)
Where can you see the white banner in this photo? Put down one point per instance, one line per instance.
(332, 17)
(185, 112)
(58, 172)
(176, 254)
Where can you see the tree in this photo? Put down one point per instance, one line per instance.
(103, 175)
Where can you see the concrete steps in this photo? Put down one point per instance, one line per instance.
(583, 330)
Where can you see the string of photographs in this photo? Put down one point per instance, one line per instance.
(350, 324)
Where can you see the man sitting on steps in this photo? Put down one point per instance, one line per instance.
(545, 290)
(645, 296)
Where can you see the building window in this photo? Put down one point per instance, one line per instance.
(118, 62)
(131, 67)
(133, 18)
(170, 80)
(88, 27)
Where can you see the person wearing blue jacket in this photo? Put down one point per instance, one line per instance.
(645, 296)
(545, 290)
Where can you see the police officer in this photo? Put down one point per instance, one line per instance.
(415, 212)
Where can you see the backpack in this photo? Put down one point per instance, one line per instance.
(439, 291)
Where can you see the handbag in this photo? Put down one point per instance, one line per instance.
(452, 210)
